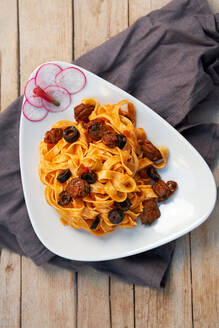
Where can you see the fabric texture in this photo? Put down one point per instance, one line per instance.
(168, 60)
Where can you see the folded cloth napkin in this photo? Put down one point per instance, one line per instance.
(168, 60)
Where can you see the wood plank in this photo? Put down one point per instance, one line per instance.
(214, 4)
(48, 298)
(205, 269)
(9, 290)
(8, 52)
(93, 300)
(9, 262)
(103, 20)
(45, 33)
(138, 8)
(122, 305)
(171, 306)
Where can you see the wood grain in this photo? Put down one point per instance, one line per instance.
(45, 33)
(9, 262)
(205, 272)
(205, 256)
(214, 4)
(9, 290)
(48, 297)
(169, 307)
(8, 52)
(138, 8)
(122, 305)
(104, 18)
(93, 300)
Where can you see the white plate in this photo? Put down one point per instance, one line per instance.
(186, 209)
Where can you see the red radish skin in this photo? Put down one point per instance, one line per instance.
(72, 79)
(33, 113)
(61, 95)
(29, 95)
(46, 74)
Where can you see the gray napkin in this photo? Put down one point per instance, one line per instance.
(168, 60)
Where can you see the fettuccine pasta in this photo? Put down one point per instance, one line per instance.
(116, 170)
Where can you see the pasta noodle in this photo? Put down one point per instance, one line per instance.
(116, 169)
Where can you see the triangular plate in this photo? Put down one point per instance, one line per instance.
(187, 209)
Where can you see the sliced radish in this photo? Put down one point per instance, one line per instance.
(46, 74)
(33, 113)
(72, 79)
(59, 94)
(28, 92)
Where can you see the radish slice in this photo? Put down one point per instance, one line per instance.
(46, 74)
(59, 94)
(32, 113)
(72, 79)
(28, 92)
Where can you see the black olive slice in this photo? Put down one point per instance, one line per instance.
(116, 216)
(71, 134)
(121, 140)
(123, 206)
(64, 198)
(95, 223)
(64, 176)
(89, 176)
(152, 173)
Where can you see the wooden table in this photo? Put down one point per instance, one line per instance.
(35, 31)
